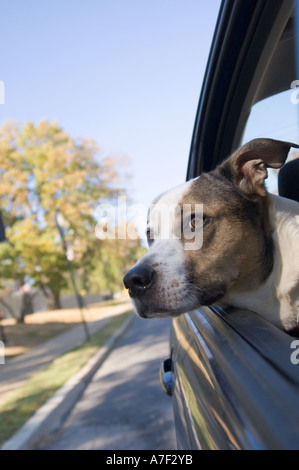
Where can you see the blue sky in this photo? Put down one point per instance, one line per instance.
(126, 73)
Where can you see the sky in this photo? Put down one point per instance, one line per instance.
(127, 73)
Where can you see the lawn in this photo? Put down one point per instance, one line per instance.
(42, 326)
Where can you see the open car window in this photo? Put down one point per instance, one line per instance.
(275, 117)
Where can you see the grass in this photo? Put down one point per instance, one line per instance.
(36, 391)
(42, 326)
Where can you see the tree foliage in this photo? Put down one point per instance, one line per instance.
(43, 170)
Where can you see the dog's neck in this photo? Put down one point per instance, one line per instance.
(278, 298)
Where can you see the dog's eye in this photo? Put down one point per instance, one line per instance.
(195, 222)
(150, 238)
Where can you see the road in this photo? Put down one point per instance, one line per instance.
(123, 407)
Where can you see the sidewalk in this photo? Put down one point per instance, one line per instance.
(17, 371)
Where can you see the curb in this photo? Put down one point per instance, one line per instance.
(49, 416)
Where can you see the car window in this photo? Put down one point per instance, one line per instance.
(277, 118)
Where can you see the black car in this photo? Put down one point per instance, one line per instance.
(233, 377)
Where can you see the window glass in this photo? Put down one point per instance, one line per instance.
(277, 118)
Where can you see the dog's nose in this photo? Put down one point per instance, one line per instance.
(138, 280)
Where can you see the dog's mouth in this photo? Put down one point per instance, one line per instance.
(146, 309)
(162, 301)
(157, 293)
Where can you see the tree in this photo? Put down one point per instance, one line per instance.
(43, 170)
(116, 258)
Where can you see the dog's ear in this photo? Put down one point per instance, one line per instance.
(247, 166)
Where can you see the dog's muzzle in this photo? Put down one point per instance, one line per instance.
(138, 280)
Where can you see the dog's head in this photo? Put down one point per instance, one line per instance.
(210, 236)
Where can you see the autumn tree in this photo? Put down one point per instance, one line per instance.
(117, 257)
(43, 170)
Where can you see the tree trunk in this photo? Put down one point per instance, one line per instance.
(53, 301)
(27, 306)
(52, 298)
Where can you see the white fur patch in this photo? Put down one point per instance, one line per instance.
(164, 214)
(286, 261)
(278, 298)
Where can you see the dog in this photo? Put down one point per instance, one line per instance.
(248, 243)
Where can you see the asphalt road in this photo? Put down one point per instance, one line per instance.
(124, 407)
